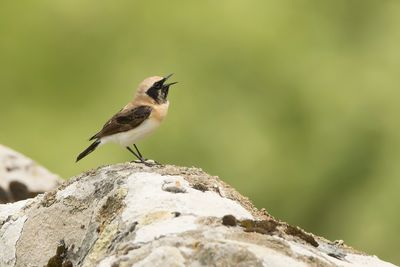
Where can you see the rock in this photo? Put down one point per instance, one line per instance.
(22, 178)
(134, 215)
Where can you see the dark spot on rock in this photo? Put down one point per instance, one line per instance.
(58, 260)
(339, 256)
(115, 264)
(19, 191)
(67, 263)
(102, 189)
(229, 220)
(296, 231)
(125, 234)
(265, 212)
(82, 226)
(338, 242)
(54, 262)
(335, 250)
(176, 213)
(261, 227)
(3, 196)
(48, 199)
(133, 226)
(201, 187)
(11, 168)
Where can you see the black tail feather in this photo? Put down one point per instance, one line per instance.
(88, 150)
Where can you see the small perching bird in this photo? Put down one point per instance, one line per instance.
(137, 119)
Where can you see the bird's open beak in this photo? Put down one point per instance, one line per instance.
(168, 84)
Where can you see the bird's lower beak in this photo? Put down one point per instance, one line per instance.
(169, 84)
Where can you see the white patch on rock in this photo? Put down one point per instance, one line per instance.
(175, 185)
(78, 190)
(272, 257)
(308, 251)
(163, 257)
(11, 209)
(145, 194)
(9, 235)
(107, 262)
(216, 233)
(365, 261)
(349, 259)
(166, 227)
(268, 256)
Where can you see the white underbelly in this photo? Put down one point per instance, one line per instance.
(132, 136)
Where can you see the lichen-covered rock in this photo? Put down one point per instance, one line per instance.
(134, 215)
(22, 178)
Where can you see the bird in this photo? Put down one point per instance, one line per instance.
(139, 118)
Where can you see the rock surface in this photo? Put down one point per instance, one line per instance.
(133, 215)
(22, 178)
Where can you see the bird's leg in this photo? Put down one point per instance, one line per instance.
(140, 154)
(140, 158)
(137, 150)
(136, 155)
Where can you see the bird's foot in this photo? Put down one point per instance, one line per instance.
(147, 162)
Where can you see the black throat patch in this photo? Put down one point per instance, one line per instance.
(153, 93)
(158, 94)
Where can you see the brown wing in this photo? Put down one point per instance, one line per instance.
(124, 121)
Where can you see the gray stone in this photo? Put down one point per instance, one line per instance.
(22, 178)
(134, 215)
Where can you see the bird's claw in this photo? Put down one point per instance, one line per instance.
(147, 162)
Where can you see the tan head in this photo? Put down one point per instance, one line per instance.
(154, 89)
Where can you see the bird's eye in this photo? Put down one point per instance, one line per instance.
(157, 84)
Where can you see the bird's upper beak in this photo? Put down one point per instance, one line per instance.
(167, 77)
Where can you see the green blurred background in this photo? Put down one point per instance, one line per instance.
(294, 103)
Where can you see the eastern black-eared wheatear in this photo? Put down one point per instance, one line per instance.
(137, 119)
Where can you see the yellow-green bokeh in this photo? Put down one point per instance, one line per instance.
(294, 103)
